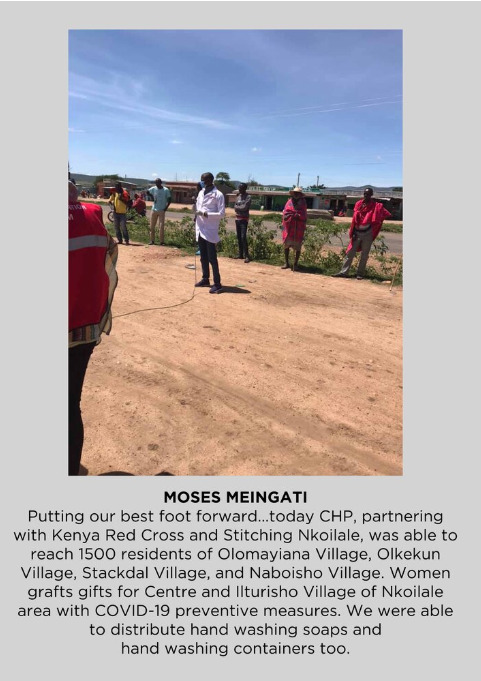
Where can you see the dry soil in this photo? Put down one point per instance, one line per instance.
(284, 373)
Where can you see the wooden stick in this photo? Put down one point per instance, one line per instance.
(392, 282)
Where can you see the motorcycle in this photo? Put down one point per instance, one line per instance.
(130, 215)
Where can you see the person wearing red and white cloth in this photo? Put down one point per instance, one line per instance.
(92, 279)
(365, 226)
(139, 205)
(294, 220)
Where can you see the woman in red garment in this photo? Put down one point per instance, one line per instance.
(294, 218)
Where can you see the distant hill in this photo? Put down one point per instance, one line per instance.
(89, 179)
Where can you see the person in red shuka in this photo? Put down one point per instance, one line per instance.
(365, 226)
(139, 205)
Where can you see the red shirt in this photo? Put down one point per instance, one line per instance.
(139, 206)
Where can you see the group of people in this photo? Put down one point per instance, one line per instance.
(121, 202)
(366, 224)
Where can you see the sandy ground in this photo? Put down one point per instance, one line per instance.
(284, 373)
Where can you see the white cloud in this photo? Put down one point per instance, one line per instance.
(175, 142)
(345, 106)
(254, 149)
(112, 95)
(77, 95)
(155, 174)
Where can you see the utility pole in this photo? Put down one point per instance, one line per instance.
(317, 181)
(298, 176)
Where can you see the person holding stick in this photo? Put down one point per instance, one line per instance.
(365, 226)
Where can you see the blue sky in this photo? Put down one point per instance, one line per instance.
(261, 104)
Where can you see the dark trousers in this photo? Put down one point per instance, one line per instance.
(120, 224)
(241, 229)
(78, 359)
(208, 254)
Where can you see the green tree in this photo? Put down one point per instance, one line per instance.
(111, 176)
(223, 179)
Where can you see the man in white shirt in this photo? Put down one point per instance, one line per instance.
(209, 210)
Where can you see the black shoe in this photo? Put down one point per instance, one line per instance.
(340, 274)
(286, 266)
(203, 282)
(247, 259)
(151, 243)
(162, 243)
(127, 243)
(217, 288)
(358, 276)
(119, 242)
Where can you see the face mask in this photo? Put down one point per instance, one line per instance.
(202, 184)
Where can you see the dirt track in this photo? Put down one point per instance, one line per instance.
(287, 374)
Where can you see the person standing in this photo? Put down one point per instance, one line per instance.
(199, 186)
(92, 279)
(162, 200)
(366, 224)
(120, 199)
(242, 207)
(209, 209)
(294, 219)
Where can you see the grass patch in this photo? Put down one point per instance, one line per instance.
(393, 228)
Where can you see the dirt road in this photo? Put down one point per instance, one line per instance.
(282, 374)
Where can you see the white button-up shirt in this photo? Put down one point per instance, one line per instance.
(213, 204)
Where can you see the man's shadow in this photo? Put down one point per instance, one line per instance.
(234, 289)
(124, 473)
(84, 471)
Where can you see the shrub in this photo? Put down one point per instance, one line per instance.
(261, 240)
(180, 234)
(315, 252)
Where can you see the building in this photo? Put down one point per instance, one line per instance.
(391, 200)
(265, 198)
(334, 200)
(181, 192)
(105, 187)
